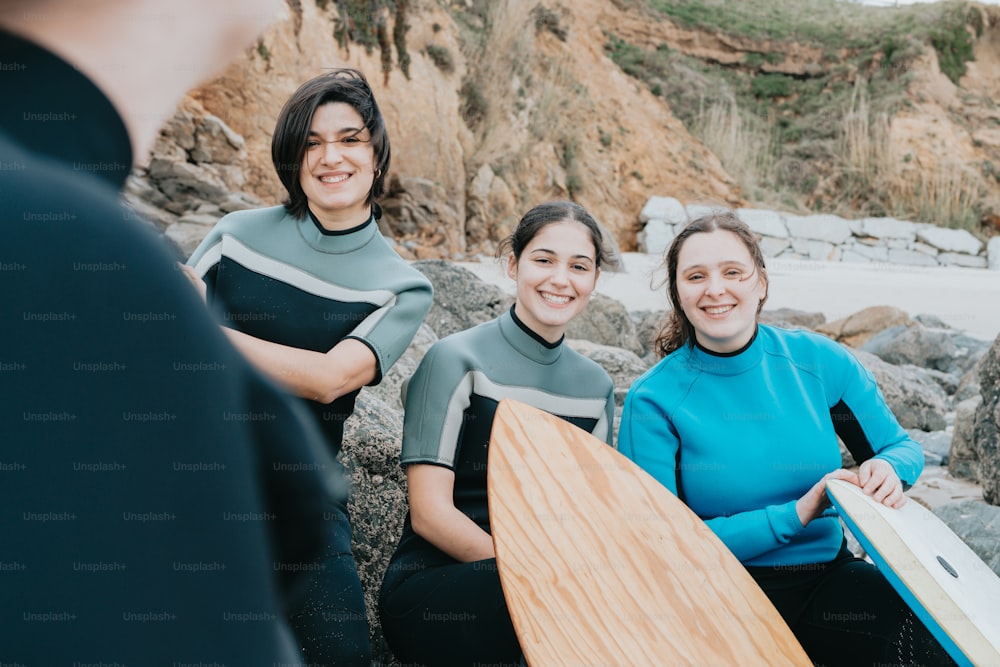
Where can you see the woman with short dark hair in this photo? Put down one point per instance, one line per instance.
(291, 142)
(314, 295)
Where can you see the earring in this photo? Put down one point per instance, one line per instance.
(378, 173)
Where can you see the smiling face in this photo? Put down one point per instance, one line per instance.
(338, 168)
(555, 275)
(720, 289)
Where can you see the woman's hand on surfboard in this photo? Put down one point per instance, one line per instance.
(878, 479)
(812, 504)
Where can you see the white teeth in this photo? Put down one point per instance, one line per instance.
(334, 179)
(559, 300)
(718, 310)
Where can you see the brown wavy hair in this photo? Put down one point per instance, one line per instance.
(676, 329)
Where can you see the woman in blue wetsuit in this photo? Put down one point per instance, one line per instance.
(313, 295)
(741, 421)
(441, 601)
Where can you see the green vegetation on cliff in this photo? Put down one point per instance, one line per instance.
(366, 22)
(799, 113)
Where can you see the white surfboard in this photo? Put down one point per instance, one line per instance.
(944, 582)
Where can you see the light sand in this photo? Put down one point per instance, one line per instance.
(937, 487)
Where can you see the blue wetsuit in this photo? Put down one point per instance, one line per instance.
(741, 437)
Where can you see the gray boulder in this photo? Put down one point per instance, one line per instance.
(647, 326)
(950, 240)
(889, 228)
(461, 299)
(978, 525)
(763, 222)
(789, 318)
(968, 385)
(948, 382)
(829, 228)
(622, 365)
(416, 208)
(655, 237)
(605, 321)
(194, 176)
(986, 429)
(970, 352)
(378, 497)
(854, 330)
(943, 350)
(916, 399)
(963, 461)
(936, 445)
(993, 254)
(660, 216)
(197, 159)
(932, 321)
(667, 209)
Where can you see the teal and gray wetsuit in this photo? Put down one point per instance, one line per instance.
(290, 281)
(435, 609)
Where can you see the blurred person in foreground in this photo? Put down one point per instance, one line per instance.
(158, 497)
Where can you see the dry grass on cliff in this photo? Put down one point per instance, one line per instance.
(744, 143)
(946, 192)
(815, 138)
(528, 92)
(862, 171)
(498, 49)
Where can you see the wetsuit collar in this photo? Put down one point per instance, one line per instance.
(527, 342)
(336, 242)
(728, 363)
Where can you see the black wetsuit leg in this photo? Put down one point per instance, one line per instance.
(846, 613)
(328, 611)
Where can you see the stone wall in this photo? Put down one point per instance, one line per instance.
(830, 237)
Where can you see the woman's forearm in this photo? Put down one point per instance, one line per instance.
(318, 376)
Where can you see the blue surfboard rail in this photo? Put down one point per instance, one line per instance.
(935, 628)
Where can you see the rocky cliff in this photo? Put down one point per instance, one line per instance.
(495, 106)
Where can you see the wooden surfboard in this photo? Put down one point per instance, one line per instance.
(602, 565)
(944, 582)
